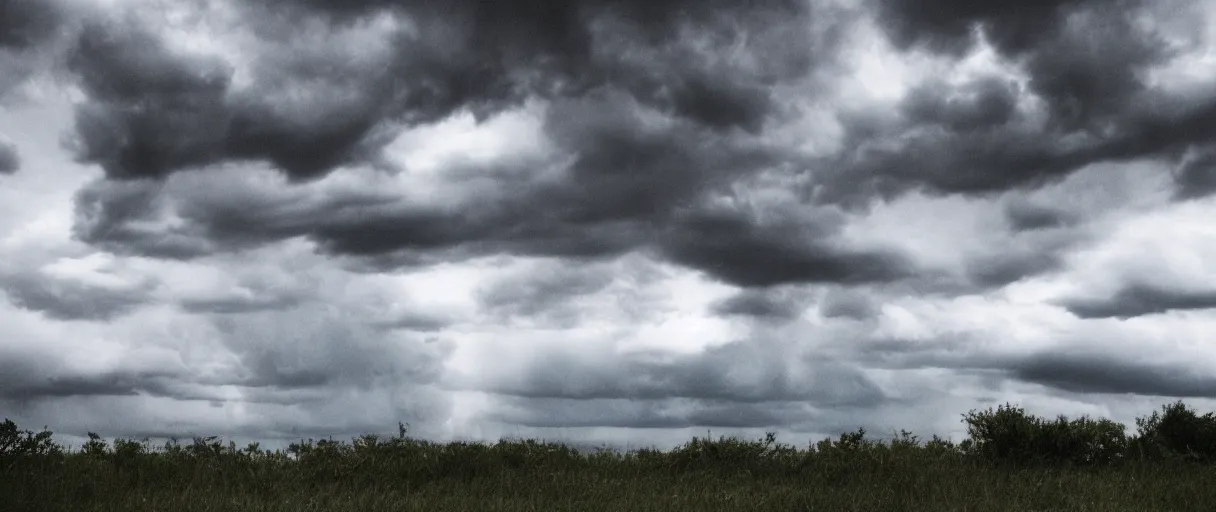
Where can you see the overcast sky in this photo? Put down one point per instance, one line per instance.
(609, 221)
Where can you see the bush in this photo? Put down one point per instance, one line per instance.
(18, 443)
(1177, 431)
(1010, 435)
(1006, 434)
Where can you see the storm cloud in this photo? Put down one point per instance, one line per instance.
(153, 110)
(26, 23)
(1139, 299)
(594, 210)
(624, 183)
(1084, 62)
(613, 180)
(1196, 173)
(1095, 373)
(770, 304)
(71, 301)
(1024, 216)
(67, 288)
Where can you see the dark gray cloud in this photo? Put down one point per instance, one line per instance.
(948, 25)
(943, 351)
(1093, 66)
(10, 160)
(999, 269)
(28, 29)
(1015, 155)
(241, 304)
(28, 376)
(548, 294)
(418, 321)
(632, 184)
(734, 246)
(1083, 56)
(848, 303)
(771, 304)
(1075, 365)
(251, 291)
(625, 183)
(149, 110)
(1139, 299)
(25, 23)
(70, 300)
(632, 187)
(115, 215)
(152, 111)
(987, 102)
(744, 372)
(1107, 373)
(569, 47)
(1085, 61)
(311, 369)
(28, 387)
(943, 162)
(1038, 240)
(1028, 216)
(1196, 174)
(312, 346)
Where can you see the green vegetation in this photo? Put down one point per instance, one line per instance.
(1011, 461)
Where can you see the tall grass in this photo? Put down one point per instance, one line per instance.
(1010, 461)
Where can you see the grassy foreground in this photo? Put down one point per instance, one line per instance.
(1011, 462)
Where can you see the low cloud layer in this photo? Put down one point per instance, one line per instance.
(1097, 373)
(1141, 299)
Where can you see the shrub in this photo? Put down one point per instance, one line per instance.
(1010, 435)
(1006, 434)
(16, 443)
(1177, 431)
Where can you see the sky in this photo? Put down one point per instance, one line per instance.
(620, 222)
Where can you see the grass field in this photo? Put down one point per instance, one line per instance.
(1011, 462)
